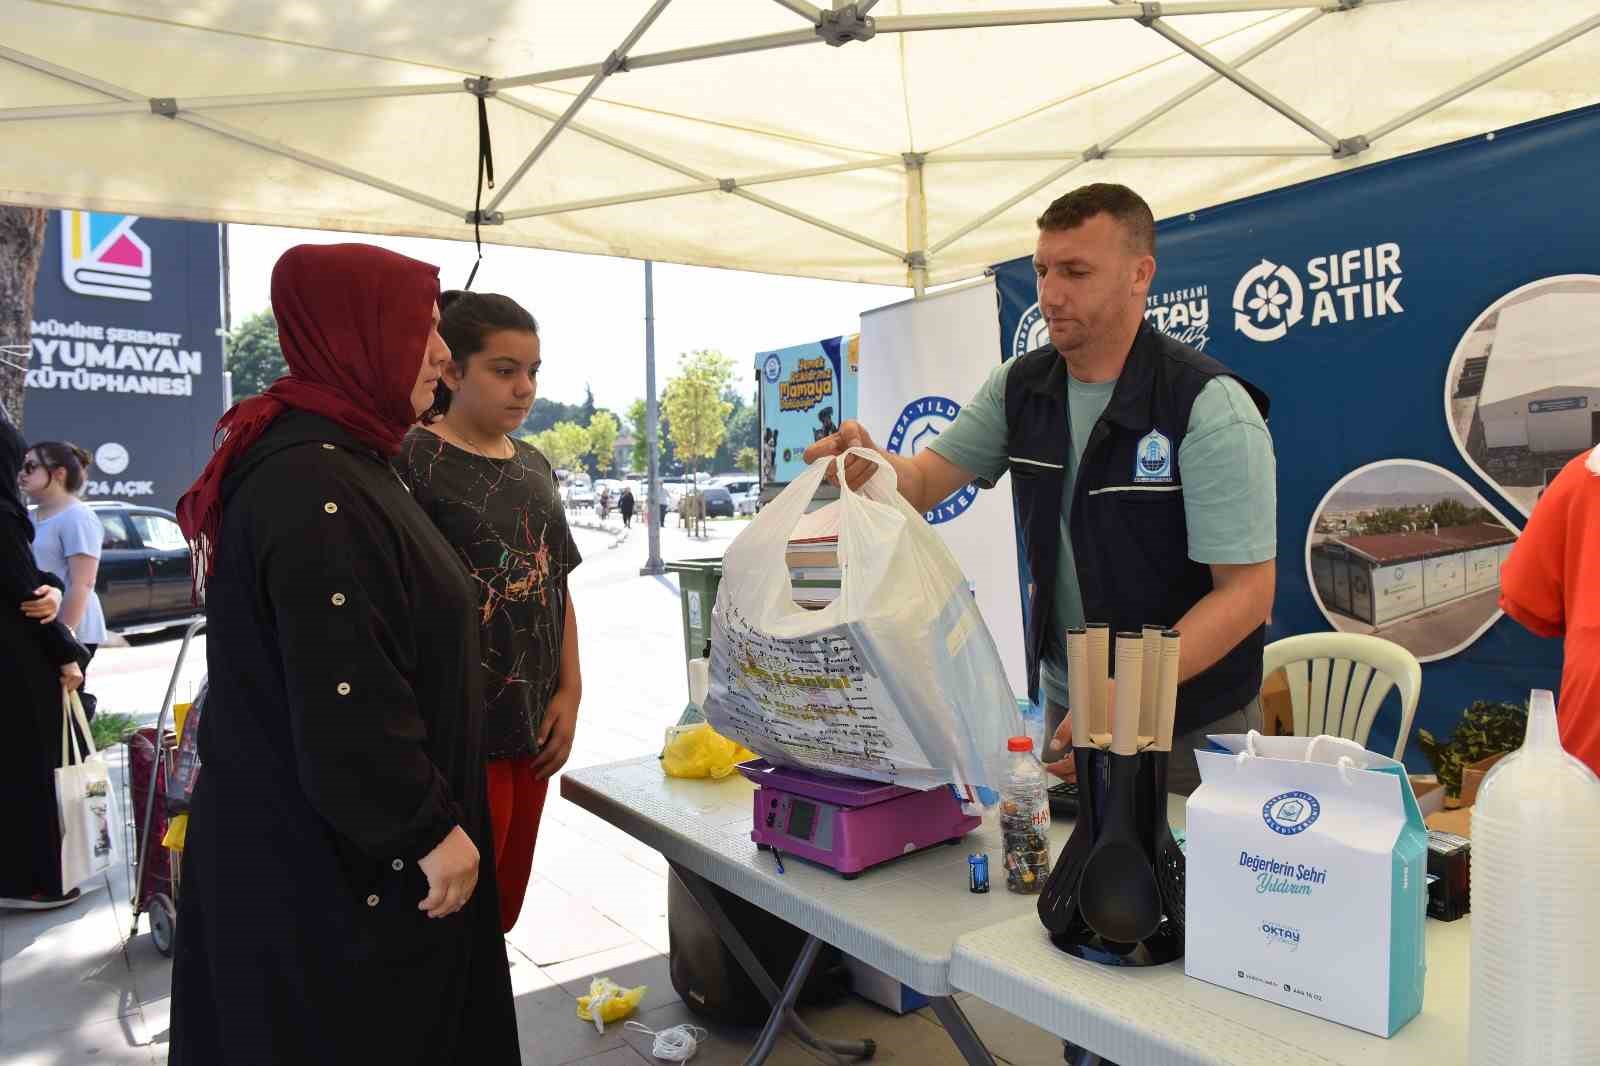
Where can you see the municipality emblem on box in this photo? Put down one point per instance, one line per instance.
(1291, 813)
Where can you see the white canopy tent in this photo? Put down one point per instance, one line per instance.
(907, 142)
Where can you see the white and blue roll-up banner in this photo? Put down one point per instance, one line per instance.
(1428, 329)
(921, 360)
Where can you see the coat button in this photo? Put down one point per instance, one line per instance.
(372, 901)
(397, 865)
(344, 688)
(327, 447)
(331, 507)
(338, 599)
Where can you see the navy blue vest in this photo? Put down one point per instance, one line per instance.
(1129, 535)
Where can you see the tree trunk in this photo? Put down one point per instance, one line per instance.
(21, 248)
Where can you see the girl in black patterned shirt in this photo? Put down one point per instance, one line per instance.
(496, 500)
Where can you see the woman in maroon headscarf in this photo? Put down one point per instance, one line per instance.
(338, 899)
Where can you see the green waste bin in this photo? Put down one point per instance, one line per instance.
(697, 583)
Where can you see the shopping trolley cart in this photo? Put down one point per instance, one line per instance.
(155, 868)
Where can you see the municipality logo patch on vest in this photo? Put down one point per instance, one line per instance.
(1152, 459)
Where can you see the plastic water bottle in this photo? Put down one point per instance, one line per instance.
(1033, 723)
(1535, 941)
(1025, 819)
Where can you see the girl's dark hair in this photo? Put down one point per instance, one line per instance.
(64, 455)
(465, 321)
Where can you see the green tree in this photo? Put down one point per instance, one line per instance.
(747, 460)
(695, 407)
(641, 452)
(603, 430)
(567, 444)
(252, 355)
(743, 432)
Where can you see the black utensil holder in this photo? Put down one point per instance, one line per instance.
(1059, 900)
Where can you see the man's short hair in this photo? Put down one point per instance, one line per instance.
(1103, 198)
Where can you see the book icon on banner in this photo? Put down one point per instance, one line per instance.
(102, 256)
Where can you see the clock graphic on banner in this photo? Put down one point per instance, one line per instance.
(111, 458)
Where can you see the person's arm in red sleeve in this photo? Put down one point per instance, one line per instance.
(1531, 581)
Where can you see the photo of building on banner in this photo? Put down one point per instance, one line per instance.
(807, 392)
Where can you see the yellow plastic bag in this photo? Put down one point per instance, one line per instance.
(614, 1002)
(699, 751)
(178, 826)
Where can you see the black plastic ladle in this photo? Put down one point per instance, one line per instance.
(1118, 895)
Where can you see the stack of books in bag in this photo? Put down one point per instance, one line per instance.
(814, 571)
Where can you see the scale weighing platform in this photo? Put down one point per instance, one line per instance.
(847, 824)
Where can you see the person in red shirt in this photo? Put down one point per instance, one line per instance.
(1551, 584)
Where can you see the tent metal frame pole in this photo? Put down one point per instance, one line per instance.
(1518, 60)
(703, 186)
(862, 6)
(1111, 13)
(219, 103)
(820, 223)
(916, 224)
(742, 46)
(617, 60)
(810, 12)
(1219, 152)
(168, 109)
(1127, 131)
(1249, 85)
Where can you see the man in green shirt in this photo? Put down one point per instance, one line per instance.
(1144, 475)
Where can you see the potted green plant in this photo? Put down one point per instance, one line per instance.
(1487, 728)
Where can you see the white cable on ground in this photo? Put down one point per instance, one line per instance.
(677, 1044)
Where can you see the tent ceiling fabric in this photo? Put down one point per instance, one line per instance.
(932, 140)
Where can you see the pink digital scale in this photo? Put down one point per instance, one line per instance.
(848, 824)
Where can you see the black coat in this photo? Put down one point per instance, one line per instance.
(340, 745)
(31, 657)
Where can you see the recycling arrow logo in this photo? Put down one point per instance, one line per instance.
(1267, 301)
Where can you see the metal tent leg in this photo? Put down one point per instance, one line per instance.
(782, 1000)
(961, 1031)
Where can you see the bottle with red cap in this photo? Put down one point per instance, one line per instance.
(1025, 819)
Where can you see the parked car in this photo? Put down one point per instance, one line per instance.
(144, 579)
(579, 495)
(719, 501)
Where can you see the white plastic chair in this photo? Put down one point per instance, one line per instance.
(1337, 682)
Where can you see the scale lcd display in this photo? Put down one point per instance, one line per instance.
(802, 819)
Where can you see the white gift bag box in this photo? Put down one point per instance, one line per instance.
(1306, 879)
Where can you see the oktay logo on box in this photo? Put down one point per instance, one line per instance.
(102, 256)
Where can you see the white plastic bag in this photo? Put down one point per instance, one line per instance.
(897, 680)
(91, 827)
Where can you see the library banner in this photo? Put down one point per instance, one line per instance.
(127, 350)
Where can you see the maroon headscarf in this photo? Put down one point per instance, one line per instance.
(353, 322)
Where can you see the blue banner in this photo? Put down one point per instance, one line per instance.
(127, 350)
(1426, 328)
(806, 391)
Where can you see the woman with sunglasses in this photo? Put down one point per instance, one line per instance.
(67, 535)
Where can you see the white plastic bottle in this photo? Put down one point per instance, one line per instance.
(1025, 819)
(1535, 889)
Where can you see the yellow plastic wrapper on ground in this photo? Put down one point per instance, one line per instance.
(614, 1002)
(699, 751)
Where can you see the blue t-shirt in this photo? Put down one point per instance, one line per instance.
(1230, 486)
(73, 531)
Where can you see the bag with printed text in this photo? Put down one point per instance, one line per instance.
(893, 678)
(1306, 879)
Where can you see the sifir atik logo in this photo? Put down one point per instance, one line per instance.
(1358, 283)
